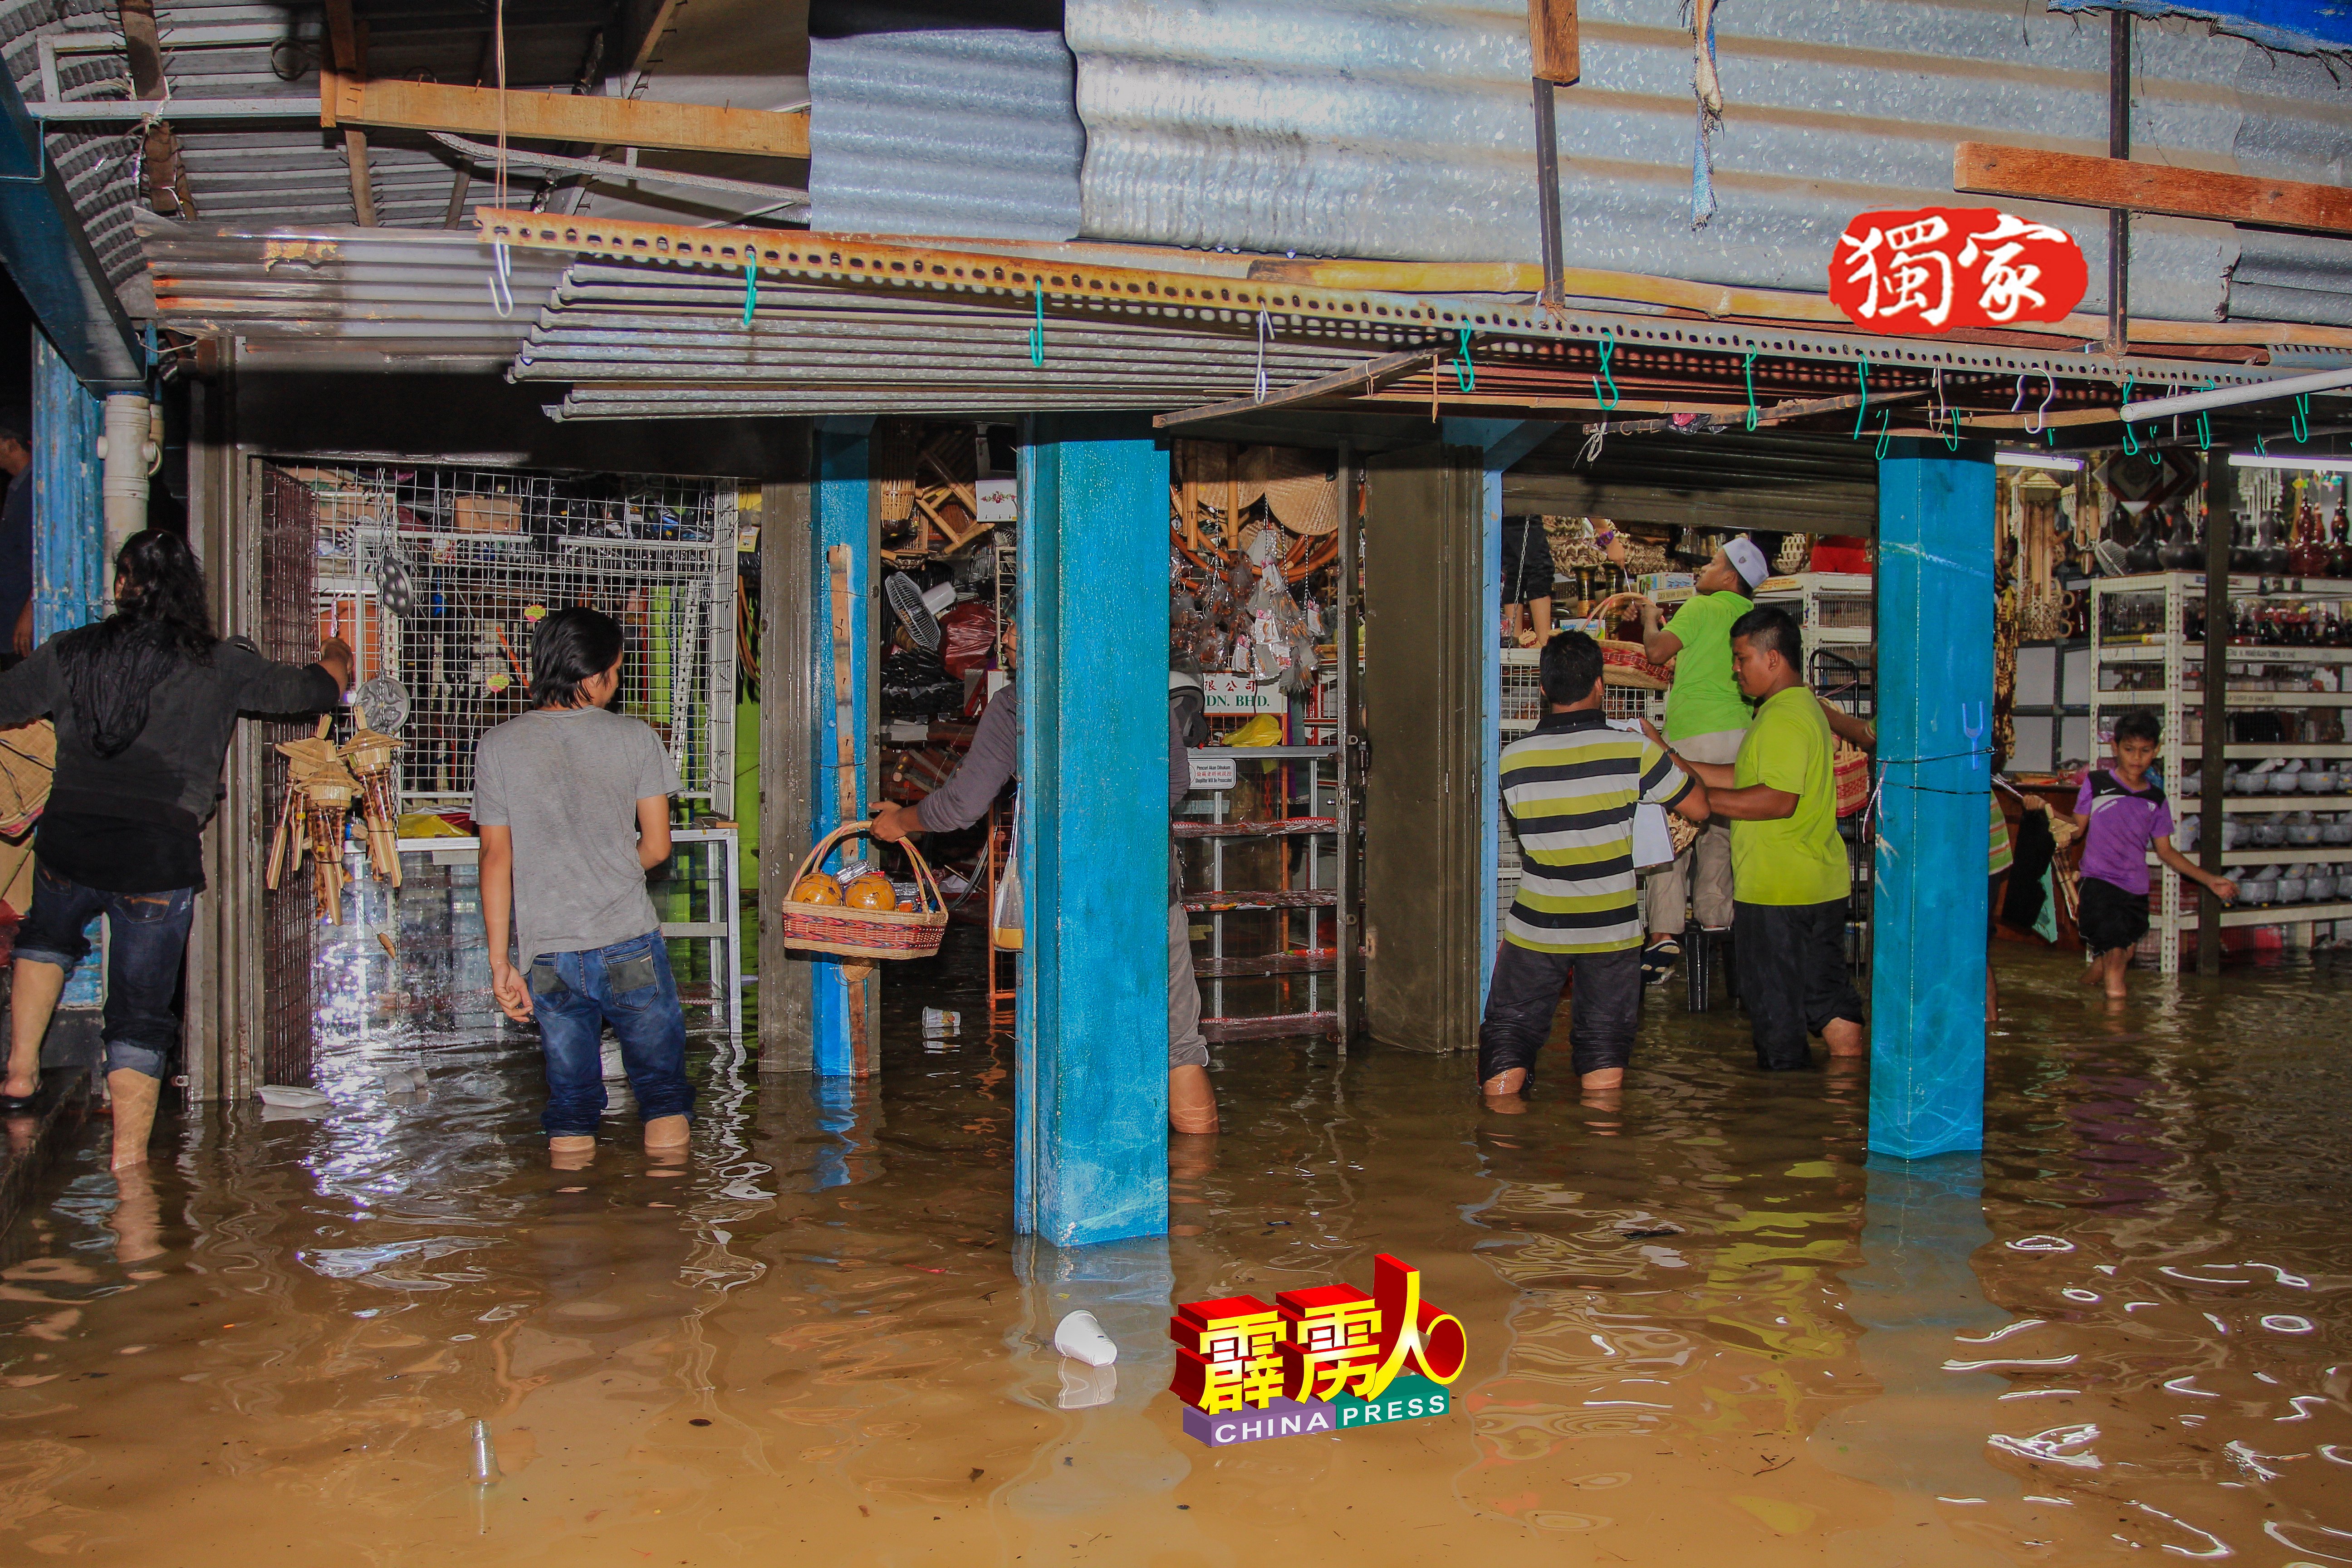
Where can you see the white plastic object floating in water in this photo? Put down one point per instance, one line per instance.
(292, 1096)
(404, 1080)
(485, 1456)
(613, 1068)
(1080, 1338)
(939, 1021)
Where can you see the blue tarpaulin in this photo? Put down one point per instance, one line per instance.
(2302, 26)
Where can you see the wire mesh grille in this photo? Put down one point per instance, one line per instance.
(437, 577)
(1523, 703)
(289, 919)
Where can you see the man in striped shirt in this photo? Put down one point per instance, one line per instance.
(1571, 787)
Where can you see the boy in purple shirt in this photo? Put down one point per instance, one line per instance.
(2121, 812)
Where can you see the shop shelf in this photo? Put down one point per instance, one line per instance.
(2252, 751)
(1274, 899)
(1322, 962)
(1279, 1026)
(2280, 854)
(2286, 914)
(2285, 801)
(2241, 588)
(1287, 828)
(2155, 649)
(2257, 699)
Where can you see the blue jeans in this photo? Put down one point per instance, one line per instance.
(629, 986)
(147, 942)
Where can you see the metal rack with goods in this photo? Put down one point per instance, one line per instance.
(2147, 651)
(1296, 925)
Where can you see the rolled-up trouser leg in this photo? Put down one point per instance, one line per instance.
(1186, 1045)
(1520, 1002)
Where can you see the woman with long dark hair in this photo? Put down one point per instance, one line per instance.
(145, 702)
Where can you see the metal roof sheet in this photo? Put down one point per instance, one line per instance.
(1404, 129)
(917, 125)
(379, 298)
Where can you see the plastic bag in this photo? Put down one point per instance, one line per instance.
(967, 638)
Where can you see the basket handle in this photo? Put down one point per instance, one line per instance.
(1599, 615)
(865, 829)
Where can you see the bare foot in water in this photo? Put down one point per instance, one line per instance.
(667, 1136)
(1502, 1091)
(1844, 1037)
(570, 1154)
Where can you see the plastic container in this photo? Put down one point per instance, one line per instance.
(1080, 1338)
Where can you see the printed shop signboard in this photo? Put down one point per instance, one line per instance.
(1223, 694)
(1325, 1359)
(1941, 269)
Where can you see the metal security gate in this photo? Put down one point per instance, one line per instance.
(287, 630)
(437, 576)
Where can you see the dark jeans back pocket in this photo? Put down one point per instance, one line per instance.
(546, 980)
(635, 973)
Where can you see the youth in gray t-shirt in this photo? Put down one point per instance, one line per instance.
(566, 781)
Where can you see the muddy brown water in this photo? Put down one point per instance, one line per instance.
(2120, 1335)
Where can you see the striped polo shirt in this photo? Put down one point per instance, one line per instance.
(1571, 787)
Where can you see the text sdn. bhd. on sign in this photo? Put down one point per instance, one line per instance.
(1325, 1359)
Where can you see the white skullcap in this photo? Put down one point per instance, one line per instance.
(1746, 560)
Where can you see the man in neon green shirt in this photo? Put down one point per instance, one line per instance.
(1788, 863)
(1706, 719)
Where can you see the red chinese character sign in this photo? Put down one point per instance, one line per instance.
(1324, 1359)
(1939, 269)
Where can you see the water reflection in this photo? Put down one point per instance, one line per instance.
(1700, 1323)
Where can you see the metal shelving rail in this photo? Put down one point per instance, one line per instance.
(2163, 643)
(1315, 958)
(723, 928)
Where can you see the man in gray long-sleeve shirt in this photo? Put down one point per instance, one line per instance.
(964, 799)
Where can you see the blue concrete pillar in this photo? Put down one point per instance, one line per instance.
(1091, 1146)
(1935, 708)
(69, 565)
(845, 1002)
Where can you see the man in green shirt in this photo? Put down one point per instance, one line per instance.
(1788, 863)
(1706, 719)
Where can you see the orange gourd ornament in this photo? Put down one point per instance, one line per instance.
(817, 890)
(871, 891)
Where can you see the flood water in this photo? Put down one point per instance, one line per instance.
(1703, 1326)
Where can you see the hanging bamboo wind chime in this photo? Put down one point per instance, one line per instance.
(368, 754)
(322, 784)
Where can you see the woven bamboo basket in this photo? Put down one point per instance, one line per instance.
(865, 934)
(1623, 663)
(1849, 767)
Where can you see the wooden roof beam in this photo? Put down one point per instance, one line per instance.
(343, 41)
(561, 116)
(2029, 174)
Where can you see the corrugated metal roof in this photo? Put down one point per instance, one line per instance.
(920, 124)
(345, 296)
(644, 342)
(256, 173)
(1404, 129)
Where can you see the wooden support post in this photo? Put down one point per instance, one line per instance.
(787, 739)
(2220, 491)
(1935, 705)
(343, 41)
(1091, 1111)
(845, 1006)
